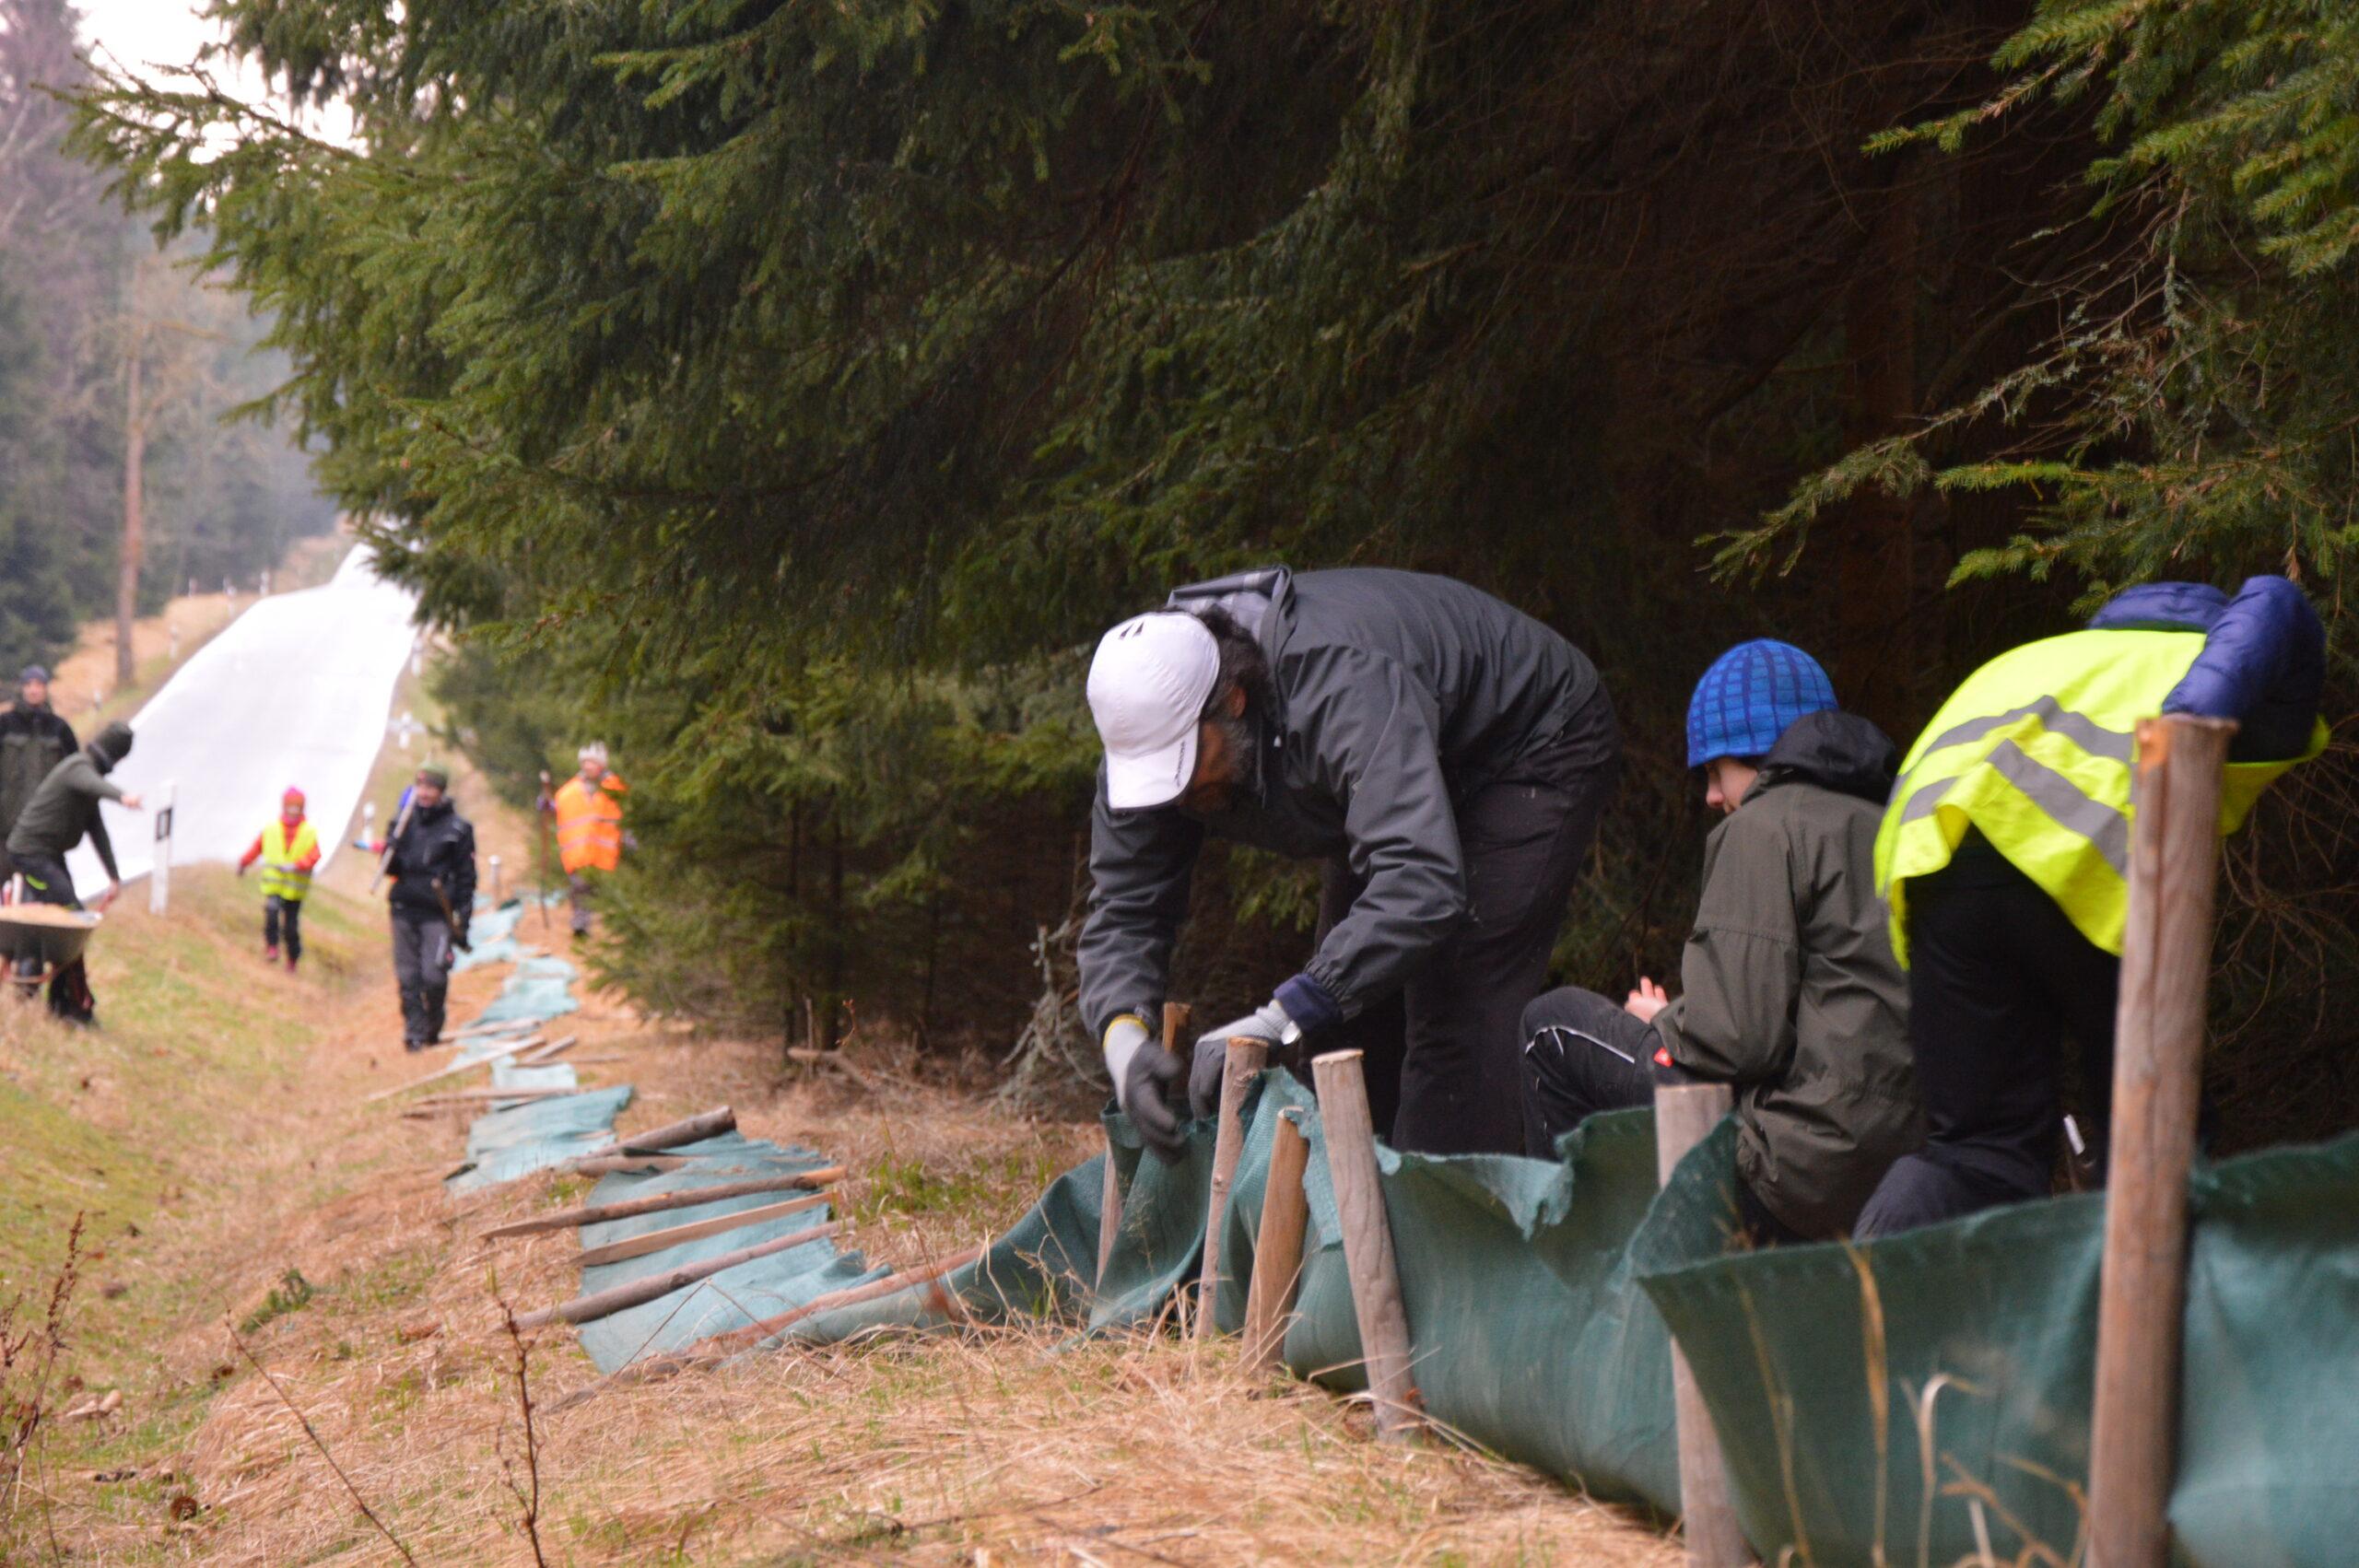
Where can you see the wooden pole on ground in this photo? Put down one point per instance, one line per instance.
(1110, 1203)
(637, 1292)
(671, 1135)
(2157, 1067)
(686, 1197)
(673, 1235)
(1277, 1245)
(1684, 1114)
(447, 1069)
(1368, 1243)
(1239, 1070)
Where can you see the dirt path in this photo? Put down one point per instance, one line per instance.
(244, 1209)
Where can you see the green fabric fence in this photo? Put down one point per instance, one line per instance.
(1539, 1293)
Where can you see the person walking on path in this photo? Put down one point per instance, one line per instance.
(1445, 755)
(431, 861)
(1788, 988)
(34, 738)
(63, 811)
(590, 837)
(2005, 857)
(290, 850)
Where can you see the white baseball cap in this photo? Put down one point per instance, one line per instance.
(1147, 688)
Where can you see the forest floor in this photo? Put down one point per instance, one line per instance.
(276, 1315)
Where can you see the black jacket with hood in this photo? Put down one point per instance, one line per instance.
(1396, 696)
(435, 844)
(1788, 988)
(66, 807)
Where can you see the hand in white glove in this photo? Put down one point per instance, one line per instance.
(1146, 1078)
(1269, 1022)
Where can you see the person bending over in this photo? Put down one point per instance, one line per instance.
(1788, 988)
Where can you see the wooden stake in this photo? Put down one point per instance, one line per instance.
(1239, 1070)
(673, 1235)
(629, 1164)
(556, 1048)
(671, 1135)
(445, 1070)
(1110, 1203)
(2157, 1067)
(652, 1287)
(1277, 1245)
(686, 1197)
(479, 1096)
(1368, 1243)
(1684, 1114)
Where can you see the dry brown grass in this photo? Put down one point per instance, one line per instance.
(980, 1447)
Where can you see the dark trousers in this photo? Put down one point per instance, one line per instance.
(1441, 1054)
(1583, 1054)
(284, 916)
(581, 888)
(47, 881)
(1997, 978)
(422, 955)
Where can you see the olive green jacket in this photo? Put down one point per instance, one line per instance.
(1788, 988)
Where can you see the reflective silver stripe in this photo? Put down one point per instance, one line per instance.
(2073, 808)
(2078, 727)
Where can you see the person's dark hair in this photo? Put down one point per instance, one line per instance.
(1243, 665)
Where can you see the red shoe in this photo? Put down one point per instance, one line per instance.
(270, 953)
(290, 963)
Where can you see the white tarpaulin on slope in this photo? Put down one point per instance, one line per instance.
(295, 691)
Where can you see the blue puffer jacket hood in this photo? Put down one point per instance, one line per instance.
(2263, 661)
(2162, 607)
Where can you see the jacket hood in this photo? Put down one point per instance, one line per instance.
(112, 744)
(1248, 597)
(2161, 607)
(1835, 750)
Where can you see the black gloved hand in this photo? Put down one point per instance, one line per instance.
(1146, 1083)
(1267, 1022)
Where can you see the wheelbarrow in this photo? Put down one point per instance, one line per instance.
(40, 938)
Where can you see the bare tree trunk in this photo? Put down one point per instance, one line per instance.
(134, 521)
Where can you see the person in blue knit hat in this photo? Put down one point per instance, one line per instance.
(1788, 988)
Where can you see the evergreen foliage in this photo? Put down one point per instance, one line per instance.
(790, 394)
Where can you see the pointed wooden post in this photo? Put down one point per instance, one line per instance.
(2157, 1066)
(1243, 1064)
(1684, 1115)
(1368, 1243)
(1277, 1245)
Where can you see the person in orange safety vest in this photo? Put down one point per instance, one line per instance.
(590, 836)
(288, 849)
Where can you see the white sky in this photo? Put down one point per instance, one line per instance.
(150, 37)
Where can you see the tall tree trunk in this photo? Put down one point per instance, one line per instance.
(134, 521)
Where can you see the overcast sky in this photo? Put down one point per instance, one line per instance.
(149, 37)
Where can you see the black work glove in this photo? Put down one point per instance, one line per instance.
(1267, 1022)
(1146, 1083)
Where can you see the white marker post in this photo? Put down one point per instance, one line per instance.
(159, 878)
(494, 882)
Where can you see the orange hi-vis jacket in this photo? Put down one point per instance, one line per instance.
(590, 824)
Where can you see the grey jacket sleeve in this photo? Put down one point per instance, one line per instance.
(104, 845)
(1740, 975)
(1140, 867)
(1375, 740)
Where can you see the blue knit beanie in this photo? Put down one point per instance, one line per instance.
(1749, 695)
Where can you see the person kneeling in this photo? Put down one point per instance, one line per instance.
(1790, 991)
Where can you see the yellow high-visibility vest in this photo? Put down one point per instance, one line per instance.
(284, 875)
(2035, 750)
(590, 824)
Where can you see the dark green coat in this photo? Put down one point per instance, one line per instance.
(1788, 988)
